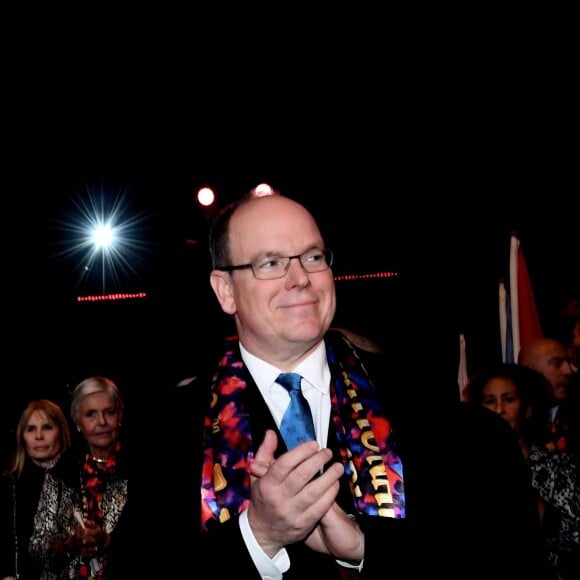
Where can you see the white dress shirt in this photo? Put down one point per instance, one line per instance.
(316, 388)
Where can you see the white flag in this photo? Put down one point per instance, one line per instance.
(462, 376)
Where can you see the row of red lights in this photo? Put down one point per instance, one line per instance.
(129, 296)
(348, 277)
(118, 296)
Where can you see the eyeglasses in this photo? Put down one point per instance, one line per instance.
(272, 267)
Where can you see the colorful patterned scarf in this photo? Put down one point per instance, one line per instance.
(371, 462)
(94, 479)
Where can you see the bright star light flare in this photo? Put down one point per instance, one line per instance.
(105, 238)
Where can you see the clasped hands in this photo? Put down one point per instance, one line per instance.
(289, 504)
(89, 539)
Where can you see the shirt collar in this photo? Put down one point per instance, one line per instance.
(314, 368)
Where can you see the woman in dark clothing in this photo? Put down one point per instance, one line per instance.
(42, 435)
(520, 395)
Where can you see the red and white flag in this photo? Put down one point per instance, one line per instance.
(525, 323)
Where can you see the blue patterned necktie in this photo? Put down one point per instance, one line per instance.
(297, 426)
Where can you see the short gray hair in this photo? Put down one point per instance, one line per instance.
(90, 386)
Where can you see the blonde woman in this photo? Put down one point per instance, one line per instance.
(42, 435)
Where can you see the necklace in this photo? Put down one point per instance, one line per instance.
(98, 460)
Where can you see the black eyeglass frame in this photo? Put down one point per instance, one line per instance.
(328, 259)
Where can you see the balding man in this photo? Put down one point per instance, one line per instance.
(550, 358)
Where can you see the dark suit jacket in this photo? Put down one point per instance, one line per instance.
(470, 510)
(223, 549)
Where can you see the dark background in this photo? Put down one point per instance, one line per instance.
(419, 144)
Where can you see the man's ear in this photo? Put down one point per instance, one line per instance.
(221, 283)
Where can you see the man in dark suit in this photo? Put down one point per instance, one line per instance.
(357, 501)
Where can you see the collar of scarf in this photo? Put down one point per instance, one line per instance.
(368, 452)
(94, 477)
